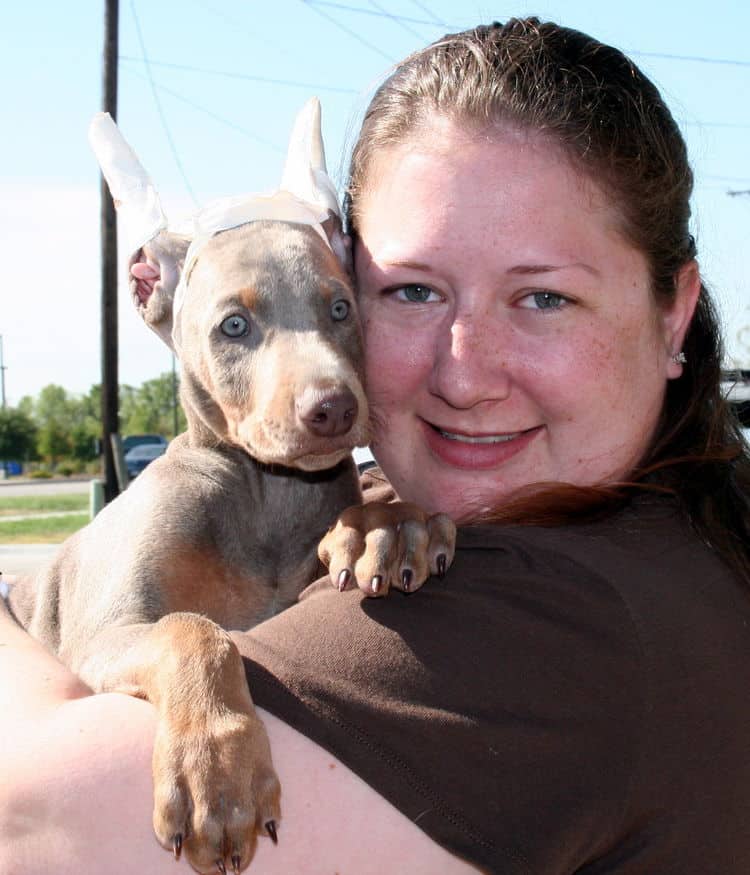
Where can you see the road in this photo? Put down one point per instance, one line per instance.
(25, 558)
(13, 488)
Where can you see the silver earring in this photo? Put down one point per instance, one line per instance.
(679, 358)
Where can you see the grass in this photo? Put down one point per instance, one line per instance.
(46, 530)
(42, 504)
(39, 529)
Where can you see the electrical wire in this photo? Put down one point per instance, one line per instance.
(159, 108)
(224, 121)
(383, 14)
(352, 33)
(430, 13)
(698, 59)
(397, 20)
(245, 76)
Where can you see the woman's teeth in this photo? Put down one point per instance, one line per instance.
(485, 439)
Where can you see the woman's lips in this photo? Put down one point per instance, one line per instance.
(477, 451)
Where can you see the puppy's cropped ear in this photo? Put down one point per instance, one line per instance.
(341, 243)
(154, 273)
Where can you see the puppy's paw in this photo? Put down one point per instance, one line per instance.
(381, 545)
(215, 790)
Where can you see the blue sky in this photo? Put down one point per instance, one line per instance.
(221, 128)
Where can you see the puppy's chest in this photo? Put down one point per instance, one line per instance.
(237, 576)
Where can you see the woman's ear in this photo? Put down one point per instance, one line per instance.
(678, 316)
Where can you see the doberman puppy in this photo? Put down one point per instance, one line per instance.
(223, 530)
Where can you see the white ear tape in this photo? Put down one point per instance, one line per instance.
(136, 200)
(305, 174)
(306, 196)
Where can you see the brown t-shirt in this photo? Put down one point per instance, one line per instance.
(564, 700)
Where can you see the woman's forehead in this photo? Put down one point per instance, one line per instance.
(508, 184)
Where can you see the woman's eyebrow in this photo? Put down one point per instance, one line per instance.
(405, 262)
(549, 268)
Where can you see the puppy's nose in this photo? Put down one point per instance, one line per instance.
(327, 412)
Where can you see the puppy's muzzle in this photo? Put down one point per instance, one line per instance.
(328, 412)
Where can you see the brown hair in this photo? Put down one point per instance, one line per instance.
(613, 124)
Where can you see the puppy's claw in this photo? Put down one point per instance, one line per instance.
(376, 583)
(177, 845)
(344, 579)
(271, 830)
(406, 576)
(221, 867)
(442, 563)
(236, 864)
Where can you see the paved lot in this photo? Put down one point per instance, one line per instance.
(24, 558)
(13, 488)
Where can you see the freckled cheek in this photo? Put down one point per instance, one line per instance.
(397, 363)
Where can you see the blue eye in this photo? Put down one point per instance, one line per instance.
(543, 301)
(235, 326)
(415, 294)
(339, 310)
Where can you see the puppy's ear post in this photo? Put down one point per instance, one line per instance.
(154, 270)
(341, 243)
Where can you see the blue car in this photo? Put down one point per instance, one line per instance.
(142, 455)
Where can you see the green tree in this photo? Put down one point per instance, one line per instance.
(18, 435)
(54, 412)
(150, 408)
(87, 428)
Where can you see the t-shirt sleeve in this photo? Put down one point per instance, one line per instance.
(499, 708)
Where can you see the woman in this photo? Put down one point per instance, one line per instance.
(573, 696)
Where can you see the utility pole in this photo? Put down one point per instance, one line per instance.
(110, 377)
(174, 396)
(2, 373)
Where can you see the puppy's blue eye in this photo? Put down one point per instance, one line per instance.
(235, 326)
(339, 310)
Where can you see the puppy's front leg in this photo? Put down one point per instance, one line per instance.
(215, 789)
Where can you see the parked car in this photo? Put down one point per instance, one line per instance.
(142, 455)
(736, 386)
(135, 440)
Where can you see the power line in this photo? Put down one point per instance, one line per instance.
(159, 109)
(434, 20)
(313, 6)
(224, 121)
(430, 13)
(246, 76)
(383, 14)
(312, 86)
(698, 59)
(738, 179)
(731, 125)
(235, 24)
(397, 20)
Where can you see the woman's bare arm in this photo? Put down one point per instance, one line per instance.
(76, 788)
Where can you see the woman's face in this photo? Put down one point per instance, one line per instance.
(510, 331)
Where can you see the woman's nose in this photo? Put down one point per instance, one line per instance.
(471, 362)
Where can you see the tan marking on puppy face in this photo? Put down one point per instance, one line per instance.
(248, 296)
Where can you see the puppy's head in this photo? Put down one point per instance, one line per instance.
(270, 344)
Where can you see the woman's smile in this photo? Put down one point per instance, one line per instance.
(476, 450)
